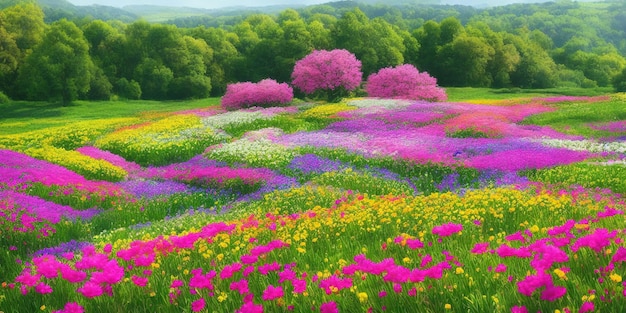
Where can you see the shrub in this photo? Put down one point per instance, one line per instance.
(404, 82)
(4, 99)
(334, 73)
(265, 93)
(619, 82)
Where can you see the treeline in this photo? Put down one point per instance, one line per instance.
(527, 46)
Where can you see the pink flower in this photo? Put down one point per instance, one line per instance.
(515, 237)
(72, 307)
(271, 293)
(271, 267)
(177, 283)
(414, 244)
(552, 293)
(596, 241)
(447, 229)
(250, 307)
(230, 270)
(43, 288)
(519, 309)
(198, 305)
(329, 307)
(382, 294)
(619, 256)
(286, 275)
(412, 292)
(563, 229)
(586, 307)
(533, 282)
(241, 286)
(299, 285)
(90, 290)
(500, 268)
(71, 275)
(139, 281)
(480, 248)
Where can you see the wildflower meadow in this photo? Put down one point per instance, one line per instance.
(364, 205)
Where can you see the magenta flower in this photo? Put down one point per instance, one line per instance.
(534, 282)
(414, 244)
(336, 282)
(272, 293)
(198, 305)
(563, 229)
(43, 288)
(552, 293)
(382, 294)
(71, 307)
(519, 309)
(329, 307)
(516, 237)
(286, 275)
(299, 285)
(271, 267)
(500, 268)
(619, 256)
(587, 307)
(596, 241)
(241, 286)
(250, 307)
(72, 275)
(447, 229)
(230, 270)
(177, 283)
(90, 290)
(480, 248)
(139, 281)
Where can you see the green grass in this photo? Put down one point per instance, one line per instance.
(469, 93)
(22, 116)
(574, 117)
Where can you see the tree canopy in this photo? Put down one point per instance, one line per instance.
(565, 43)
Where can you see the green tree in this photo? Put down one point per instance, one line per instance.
(224, 53)
(59, 68)
(21, 29)
(376, 43)
(154, 79)
(466, 61)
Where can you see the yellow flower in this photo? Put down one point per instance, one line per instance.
(459, 270)
(362, 297)
(616, 277)
(447, 306)
(560, 273)
(43, 307)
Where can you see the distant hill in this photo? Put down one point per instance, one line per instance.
(58, 9)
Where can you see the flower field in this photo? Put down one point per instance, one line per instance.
(368, 205)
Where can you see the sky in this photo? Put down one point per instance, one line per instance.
(205, 4)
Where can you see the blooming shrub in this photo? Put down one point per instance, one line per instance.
(265, 93)
(404, 82)
(333, 72)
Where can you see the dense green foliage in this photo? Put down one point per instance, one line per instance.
(554, 44)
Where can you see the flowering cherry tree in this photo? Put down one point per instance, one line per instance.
(267, 92)
(334, 73)
(404, 82)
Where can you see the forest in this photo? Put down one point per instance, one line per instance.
(52, 54)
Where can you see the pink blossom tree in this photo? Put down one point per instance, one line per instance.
(331, 73)
(267, 92)
(404, 82)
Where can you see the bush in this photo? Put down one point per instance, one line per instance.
(126, 89)
(265, 93)
(404, 82)
(333, 73)
(4, 99)
(619, 82)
